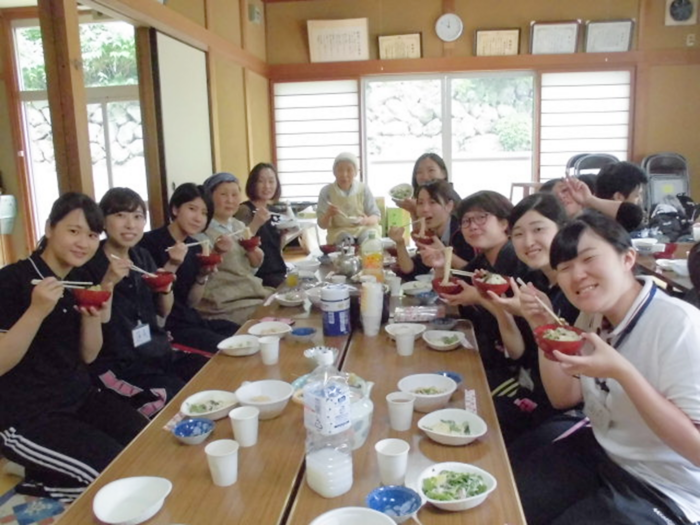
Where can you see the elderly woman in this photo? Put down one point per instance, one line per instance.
(233, 292)
(347, 206)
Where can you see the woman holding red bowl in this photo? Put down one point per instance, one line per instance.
(639, 462)
(191, 211)
(234, 291)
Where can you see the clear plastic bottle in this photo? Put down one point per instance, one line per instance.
(372, 255)
(328, 430)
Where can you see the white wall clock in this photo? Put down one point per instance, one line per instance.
(449, 27)
(681, 12)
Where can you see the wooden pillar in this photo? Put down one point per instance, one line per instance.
(157, 197)
(66, 93)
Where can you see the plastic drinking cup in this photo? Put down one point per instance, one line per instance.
(222, 457)
(392, 456)
(244, 422)
(270, 349)
(400, 406)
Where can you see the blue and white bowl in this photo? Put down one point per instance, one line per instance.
(397, 502)
(302, 334)
(457, 378)
(193, 431)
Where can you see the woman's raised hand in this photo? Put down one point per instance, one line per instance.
(260, 217)
(509, 304)
(46, 294)
(224, 244)
(468, 296)
(435, 258)
(407, 204)
(601, 360)
(531, 309)
(117, 270)
(396, 234)
(176, 254)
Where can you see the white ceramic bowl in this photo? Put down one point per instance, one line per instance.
(290, 298)
(395, 328)
(477, 426)
(270, 328)
(425, 278)
(680, 266)
(270, 396)
(314, 295)
(401, 191)
(239, 345)
(443, 340)
(428, 402)
(416, 287)
(460, 504)
(130, 501)
(353, 516)
(309, 265)
(644, 246)
(210, 404)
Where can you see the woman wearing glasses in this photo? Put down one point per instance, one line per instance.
(502, 338)
(436, 203)
(639, 463)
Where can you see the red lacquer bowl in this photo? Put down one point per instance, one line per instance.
(425, 239)
(87, 298)
(498, 289)
(250, 244)
(328, 248)
(393, 251)
(550, 345)
(452, 288)
(160, 282)
(213, 259)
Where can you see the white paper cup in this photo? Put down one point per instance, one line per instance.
(400, 410)
(270, 349)
(371, 324)
(244, 422)
(392, 456)
(222, 456)
(696, 232)
(405, 341)
(339, 279)
(394, 286)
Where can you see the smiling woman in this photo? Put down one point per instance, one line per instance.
(638, 382)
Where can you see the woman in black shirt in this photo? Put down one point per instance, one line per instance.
(53, 421)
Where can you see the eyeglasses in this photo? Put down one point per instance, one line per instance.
(478, 219)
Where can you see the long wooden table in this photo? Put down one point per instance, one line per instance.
(670, 279)
(270, 487)
(376, 359)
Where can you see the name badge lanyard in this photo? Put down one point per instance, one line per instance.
(602, 383)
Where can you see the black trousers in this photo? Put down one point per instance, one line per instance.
(205, 337)
(573, 482)
(63, 452)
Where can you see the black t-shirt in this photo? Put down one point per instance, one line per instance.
(133, 303)
(461, 248)
(273, 268)
(52, 375)
(182, 315)
(485, 325)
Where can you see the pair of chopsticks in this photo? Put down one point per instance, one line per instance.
(547, 309)
(462, 272)
(232, 234)
(190, 244)
(410, 223)
(67, 284)
(133, 266)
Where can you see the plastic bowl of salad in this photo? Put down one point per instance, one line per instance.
(443, 340)
(209, 404)
(491, 282)
(401, 191)
(432, 391)
(565, 339)
(453, 426)
(455, 486)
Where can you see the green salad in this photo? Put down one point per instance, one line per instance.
(449, 339)
(450, 485)
(428, 390)
(207, 406)
(449, 426)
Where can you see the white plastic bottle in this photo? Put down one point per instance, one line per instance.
(328, 430)
(372, 255)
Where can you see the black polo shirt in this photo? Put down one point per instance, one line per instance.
(273, 268)
(52, 375)
(182, 315)
(133, 303)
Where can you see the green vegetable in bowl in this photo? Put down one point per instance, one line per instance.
(448, 426)
(402, 191)
(449, 339)
(207, 406)
(428, 391)
(450, 485)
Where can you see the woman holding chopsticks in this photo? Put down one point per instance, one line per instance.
(174, 248)
(137, 362)
(436, 206)
(263, 190)
(637, 376)
(235, 291)
(53, 421)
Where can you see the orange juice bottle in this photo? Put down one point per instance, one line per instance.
(372, 256)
